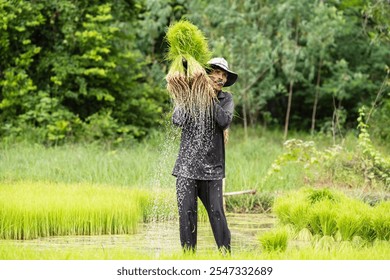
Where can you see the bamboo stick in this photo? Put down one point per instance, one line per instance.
(240, 192)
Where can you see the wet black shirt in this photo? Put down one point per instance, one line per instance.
(202, 148)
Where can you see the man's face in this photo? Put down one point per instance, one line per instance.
(218, 79)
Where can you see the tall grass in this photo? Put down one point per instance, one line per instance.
(133, 166)
(148, 164)
(31, 210)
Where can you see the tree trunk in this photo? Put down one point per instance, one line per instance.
(290, 93)
(336, 119)
(313, 116)
(244, 113)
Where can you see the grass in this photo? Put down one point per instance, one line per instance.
(133, 166)
(145, 165)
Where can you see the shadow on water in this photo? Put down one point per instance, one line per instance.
(157, 238)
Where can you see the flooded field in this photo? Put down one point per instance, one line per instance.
(157, 238)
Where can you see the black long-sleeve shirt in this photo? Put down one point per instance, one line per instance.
(202, 148)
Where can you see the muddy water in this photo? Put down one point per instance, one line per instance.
(158, 237)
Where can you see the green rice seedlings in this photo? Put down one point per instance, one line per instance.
(316, 195)
(351, 218)
(187, 79)
(367, 231)
(162, 207)
(293, 209)
(381, 221)
(322, 218)
(32, 210)
(184, 38)
(275, 240)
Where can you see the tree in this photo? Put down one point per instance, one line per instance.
(320, 31)
(77, 71)
(234, 34)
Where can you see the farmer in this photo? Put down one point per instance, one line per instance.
(200, 166)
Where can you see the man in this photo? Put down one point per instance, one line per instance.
(200, 166)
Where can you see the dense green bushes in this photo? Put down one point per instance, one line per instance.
(72, 70)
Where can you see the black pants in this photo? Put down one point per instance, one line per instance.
(210, 193)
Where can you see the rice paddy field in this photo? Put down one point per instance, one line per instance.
(98, 202)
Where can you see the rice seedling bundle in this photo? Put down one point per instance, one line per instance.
(187, 79)
(293, 208)
(352, 216)
(322, 218)
(331, 213)
(31, 210)
(275, 240)
(381, 221)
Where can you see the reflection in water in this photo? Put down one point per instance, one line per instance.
(157, 238)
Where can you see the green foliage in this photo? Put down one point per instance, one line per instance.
(378, 125)
(377, 23)
(363, 165)
(316, 50)
(374, 165)
(301, 152)
(67, 63)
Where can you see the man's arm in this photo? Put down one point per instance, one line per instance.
(224, 114)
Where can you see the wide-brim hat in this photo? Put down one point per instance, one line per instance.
(221, 63)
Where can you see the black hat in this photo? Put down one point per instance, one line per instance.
(221, 63)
